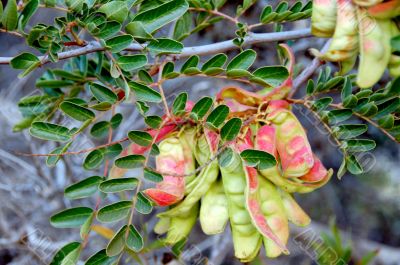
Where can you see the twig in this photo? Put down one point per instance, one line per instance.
(223, 46)
(12, 33)
(216, 13)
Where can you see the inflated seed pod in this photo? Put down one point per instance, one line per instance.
(162, 225)
(345, 39)
(214, 209)
(394, 65)
(365, 3)
(273, 210)
(293, 211)
(187, 138)
(386, 10)
(291, 140)
(375, 49)
(246, 238)
(171, 159)
(323, 18)
(180, 226)
(204, 180)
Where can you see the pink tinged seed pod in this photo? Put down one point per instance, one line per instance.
(386, 10)
(317, 173)
(239, 95)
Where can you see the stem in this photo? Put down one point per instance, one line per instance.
(164, 100)
(216, 13)
(12, 33)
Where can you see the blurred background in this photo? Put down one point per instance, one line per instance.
(365, 208)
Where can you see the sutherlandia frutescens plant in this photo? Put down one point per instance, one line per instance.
(236, 157)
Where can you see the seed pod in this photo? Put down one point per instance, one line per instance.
(348, 64)
(162, 226)
(365, 3)
(344, 43)
(246, 238)
(205, 179)
(273, 210)
(214, 210)
(386, 10)
(187, 139)
(171, 159)
(375, 49)
(323, 18)
(394, 65)
(293, 211)
(291, 141)
(180, 226)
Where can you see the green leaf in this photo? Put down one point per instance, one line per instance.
(359, 145)
(142, 107)
(213, 71)
(27, 13)
(83, 188)
(132, 62)
(116, 120)
(71, 218)
(386, 122)
(218, 116)
(101, 258)
(154, 150)
(26, 61)
(179, 105)
(94, 159)
(340, 115)
(130, 161)
(193, 61)
(134, 241)
(322, 103)
(243, 60)
(68, 75)
(9, 19)
(119, 43)
(100, 129)
(77, 112)
(368, 110)
(103, 94)
(137, 30)
(143, 205)
(165, 46)
(141, 138)
(67, 255)
(350, 101)
(51, 161)
(238, 73)
(201, 108)
(115, 10)
(112, 151)
(102, 106)
(145, 77)
(217, 61)
(152, 176)
(231, 129)
(310, 87)
(395, 43)
(49, 131)
(348, 131)
(106, 29)
(117, 243)
(353, 166)
(153, 121)
(157, 17)
(167, 69)
(273, 75)
(257, 158)
(145, 93)
(183, 27)
(117, 185)
(53, 83)
(114, 212)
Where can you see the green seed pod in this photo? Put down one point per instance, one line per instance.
(273, 210)
(386, 10)
(180, 226)
(187, 139)
(246, 238)
(367, 2)
(375, 49)
(162, 226)
(214, 210)
(293, 211)
(323, 18)
(394, 65)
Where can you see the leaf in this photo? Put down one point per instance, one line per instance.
(130, 161)
(9, 19)
(153, 121)
(143, 205)
(27, 13)
(142, 107)
(368, 110)
(145, 93)
(67, 255)
(101, 258)
(145, 77)
(218, 116)
(179, 105)
(359, 145)
(167, 69)
(71, 218)
(26, 61)
(201, 108)
(49, 131)
(103, 231)
(273, 75)
(152, 176)
(165, 46)
(117, 185)
(353, 166)
(119, 43)
(137, 30)
(155, 18)
(310, 87)
(115, 10)
(100, 129)
(114, 212)
(193, 61)
(140, 137)
(117, 243)
(257, 158)
(77, 112)
(86, 227)
(348, 131)
(216, 61)
(102, 93)
(322, 103)
(183, 27)
(386, 122)
(107, 29)
(340, 115)
(112, 151)
(134, 240)
(53, 83)
(51, 161)
(116, 120)
(83, 188)
(231, 129)
(94, 159)
(243, 60)
(132, 62)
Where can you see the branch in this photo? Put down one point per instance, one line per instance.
(223, 46)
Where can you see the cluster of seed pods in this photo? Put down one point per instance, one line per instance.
(258, 204)
(358, 27)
